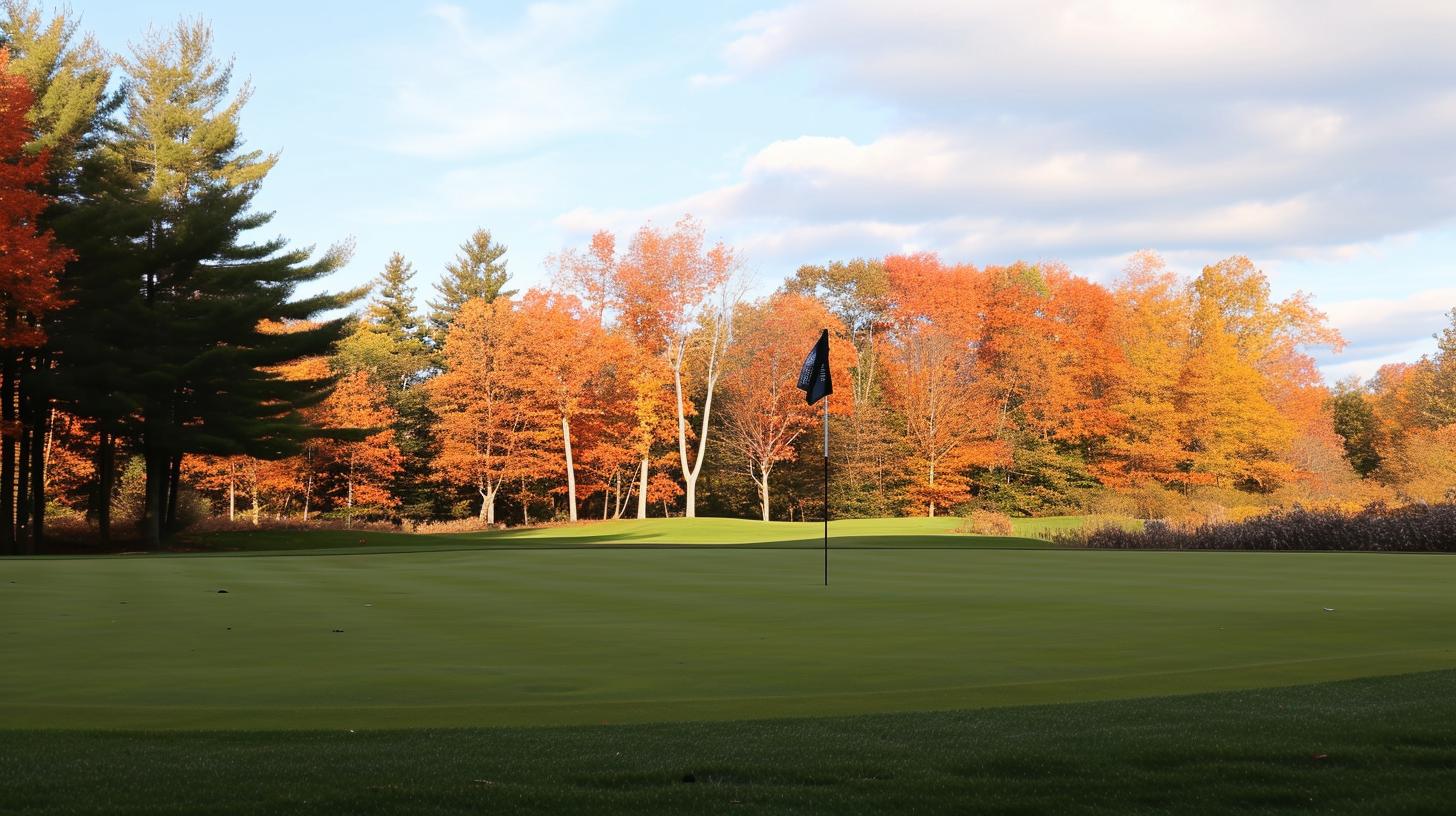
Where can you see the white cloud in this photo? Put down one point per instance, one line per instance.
(1091, 128)
(1038, 50)
(1392, 321)
(474, 90)
(1385, 330)
(1085, 130)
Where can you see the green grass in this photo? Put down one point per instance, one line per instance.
(848, 533)
(609, 635)
(1372, 746)
(596, 668)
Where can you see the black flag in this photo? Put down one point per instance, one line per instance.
(814, 378)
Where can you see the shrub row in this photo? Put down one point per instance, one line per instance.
(1377, 528)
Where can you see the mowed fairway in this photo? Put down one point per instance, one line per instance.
(697, 532)
(542, 636)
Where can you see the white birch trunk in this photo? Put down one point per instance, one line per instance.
(642, 491)
(570, 469)
(763, 492)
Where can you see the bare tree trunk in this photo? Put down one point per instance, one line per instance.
(44, 421)
(174, 488)
(932, 484)
(763, 491)
(7, 447)
(349, 500)
(487, 503)
(570, 469)
(27, 456)
(721, 338)
(105, 473)
(642, 491)
(232, 491)
(622, 496)
(307, 482)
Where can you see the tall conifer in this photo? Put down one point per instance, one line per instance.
(389, 344)
(199, 363)
(478, 271)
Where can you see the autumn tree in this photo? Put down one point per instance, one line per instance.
(673, 297)
(1153, 330)
(1231, 434)
(76, 100)
(694, 313)
(864, 444)
(1411, 422)
(764, 412)
(592, 274)
(490, 428)
(1435, 382)
(1050, 359)
(390, 342)
(361, 470)
(1272, 398)
(67, 462)
(29, 265)
(653, 428)
(950, 415)
(1423, 467)
(68, 75)
(559, 361)
(603, 432)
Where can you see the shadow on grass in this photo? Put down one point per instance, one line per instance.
(1376, 746)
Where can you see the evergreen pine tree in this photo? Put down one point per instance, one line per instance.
(69, 74)
(388, 343)
(392, 309)
(479, 271)
(198, 360)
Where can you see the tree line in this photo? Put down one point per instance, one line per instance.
(160, 365)
(135, 299)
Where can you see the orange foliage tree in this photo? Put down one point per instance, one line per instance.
(490, 428)
(360, 470)
(560, 363)
(1153, 331)
(763, 410)
(671, 295)
(29, 257)
(1249, 392)
(29, 263)
(950, 415)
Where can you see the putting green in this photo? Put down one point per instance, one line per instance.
(887, 532)
(543, 636)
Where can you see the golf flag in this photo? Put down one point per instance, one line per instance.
(816, 384)
(814, 378)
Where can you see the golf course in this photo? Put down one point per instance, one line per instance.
(638, 654)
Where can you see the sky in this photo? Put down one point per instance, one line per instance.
(1318, 139)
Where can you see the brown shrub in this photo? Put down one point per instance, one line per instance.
(1377, 528)
(985, 522)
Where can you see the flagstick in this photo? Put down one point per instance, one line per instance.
(826, 491)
